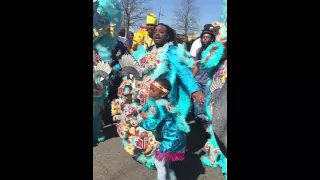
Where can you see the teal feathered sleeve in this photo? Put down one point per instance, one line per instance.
(183, 72)
(212, 55)
(184, 56)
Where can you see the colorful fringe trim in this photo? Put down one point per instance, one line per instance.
(170, 157)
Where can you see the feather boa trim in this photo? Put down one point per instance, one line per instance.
(215, 158)
(104, 51)
(182, 109)
(177, 114)
(139, 53)
(112, 11)
(162, 54)
(148, 161)
(212, 55)
(184, 56)
(162, 68)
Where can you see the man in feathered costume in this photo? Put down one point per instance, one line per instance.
(216, 101)
(106, 19)
(143, 37)
(210, 55)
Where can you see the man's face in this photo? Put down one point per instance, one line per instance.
(122, 32)
(131, 36)
(206, 39)
(160, 35)
(150, 29)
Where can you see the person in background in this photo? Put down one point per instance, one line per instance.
(128, 42)
(196, 45)
(120, 48)
(117, 53)
(122, 35)
(151, 24)
(201, 75)
(147, 41)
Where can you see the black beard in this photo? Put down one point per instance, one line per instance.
(150, 33)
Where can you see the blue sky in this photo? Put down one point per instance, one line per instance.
(210, 10)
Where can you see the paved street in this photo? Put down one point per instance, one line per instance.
(111, 162)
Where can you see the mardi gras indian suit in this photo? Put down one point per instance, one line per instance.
(214, 157)
(106, 16)
(171, 62)
(216, 111)
(168, 62)
(216, 101)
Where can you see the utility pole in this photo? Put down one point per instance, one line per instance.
(159, 15)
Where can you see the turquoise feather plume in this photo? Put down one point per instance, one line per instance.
(183, 107)
(112, 11)
(184, 56)
(178, 114)
(139, 53)
(210, 57)
(219, 159)
(162, 68)
(104, 47)
(148, 161)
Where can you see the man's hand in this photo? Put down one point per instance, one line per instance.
(144, 115)
(198, 97)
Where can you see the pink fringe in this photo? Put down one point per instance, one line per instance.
(170, 157)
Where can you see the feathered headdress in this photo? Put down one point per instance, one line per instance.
(220, 28)
(221, 35)
(106, 26)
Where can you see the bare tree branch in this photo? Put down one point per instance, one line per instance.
(186, 17)
(135, 12)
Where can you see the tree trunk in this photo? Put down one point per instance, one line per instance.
(186, 30)
(127, 26)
